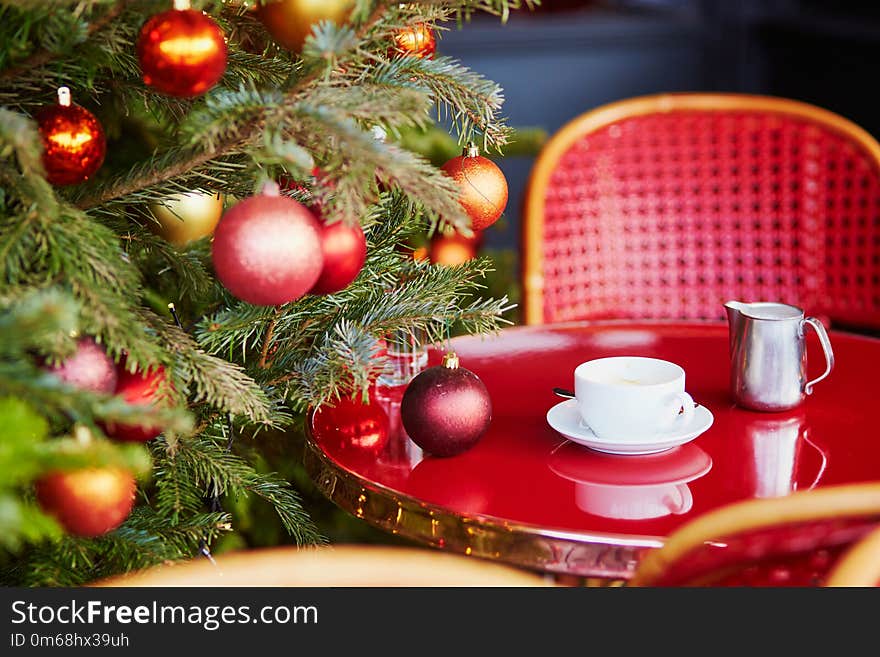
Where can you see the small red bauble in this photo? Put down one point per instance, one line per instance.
(416, 41)
(182, 52)
(352, 425)
(267, 249)
(482, 187)
(74, 144)
(446, 409)
(89, 368)
(87, 502)
(140, 389)
(345, 250)
(454, 249)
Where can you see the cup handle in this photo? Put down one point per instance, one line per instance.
(826, 348)
(685, 500)
(684, 404)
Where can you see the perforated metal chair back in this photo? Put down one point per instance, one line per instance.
(667, 206)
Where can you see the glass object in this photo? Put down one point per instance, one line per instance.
(407, 356)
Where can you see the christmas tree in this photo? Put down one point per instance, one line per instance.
(146, 348)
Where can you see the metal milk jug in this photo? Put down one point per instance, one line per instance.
(768, 356)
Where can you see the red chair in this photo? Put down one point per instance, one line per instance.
(667, 206)
(795, 540)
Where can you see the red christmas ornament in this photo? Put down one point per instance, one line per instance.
(345, 250)
(74, 144)
(416, 41)
(149, 388)
(267, 249)
(182, 52)
(87, 502)
(454, 249)
(89, 368)
(446, 409)
(352, 425)
(482, 187)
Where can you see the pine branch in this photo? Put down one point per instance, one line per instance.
(228, 474)
(212, 380)
(43, 56)
(237, 139)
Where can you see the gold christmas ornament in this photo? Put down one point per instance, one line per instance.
(291, 21)
(186, 217)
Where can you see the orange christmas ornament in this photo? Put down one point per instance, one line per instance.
(74, 144)
(182, 52)
(87, 502)
(416, 41)
(291, 21)
(454, 249)
(482, 186)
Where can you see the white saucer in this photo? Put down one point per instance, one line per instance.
(564, 417)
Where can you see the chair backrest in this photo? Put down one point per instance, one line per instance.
(794, 540)
(859, 565)
(667, 206)
(338, 565)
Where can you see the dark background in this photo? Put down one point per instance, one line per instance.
(570, 56)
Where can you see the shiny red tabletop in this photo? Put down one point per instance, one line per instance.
(526, 495)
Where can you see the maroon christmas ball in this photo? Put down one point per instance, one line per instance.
(87, 502)
(446, 409)
(352, 425)
(182, 52)
(89, 368)
(267, 249)
(150, 388)
(74, 144)
(345, 250)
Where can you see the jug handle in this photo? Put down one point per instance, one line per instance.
(826, 348)
(821, 454)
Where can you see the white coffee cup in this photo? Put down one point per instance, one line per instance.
(631, 398)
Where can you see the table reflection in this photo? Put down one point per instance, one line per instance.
(627, 487)
(774, 448)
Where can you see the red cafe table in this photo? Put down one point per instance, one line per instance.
(526, 496)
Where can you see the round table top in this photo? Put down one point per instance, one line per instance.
(528, 496)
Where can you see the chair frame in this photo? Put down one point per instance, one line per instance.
(839, 501)
(596, 119)
(859, 565)
(344, 565)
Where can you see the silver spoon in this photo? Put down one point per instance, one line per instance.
(568, 394)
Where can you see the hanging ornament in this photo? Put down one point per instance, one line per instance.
(150, 388)
(267, 249)
(446, 409)
(291, 21)
(182, 52)
(352, 425)
(454, 249)
(482, 186)
(344, 249)
(87, 502)
(89, 368)
(416, 41)
(74, 144)
(186, 217)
